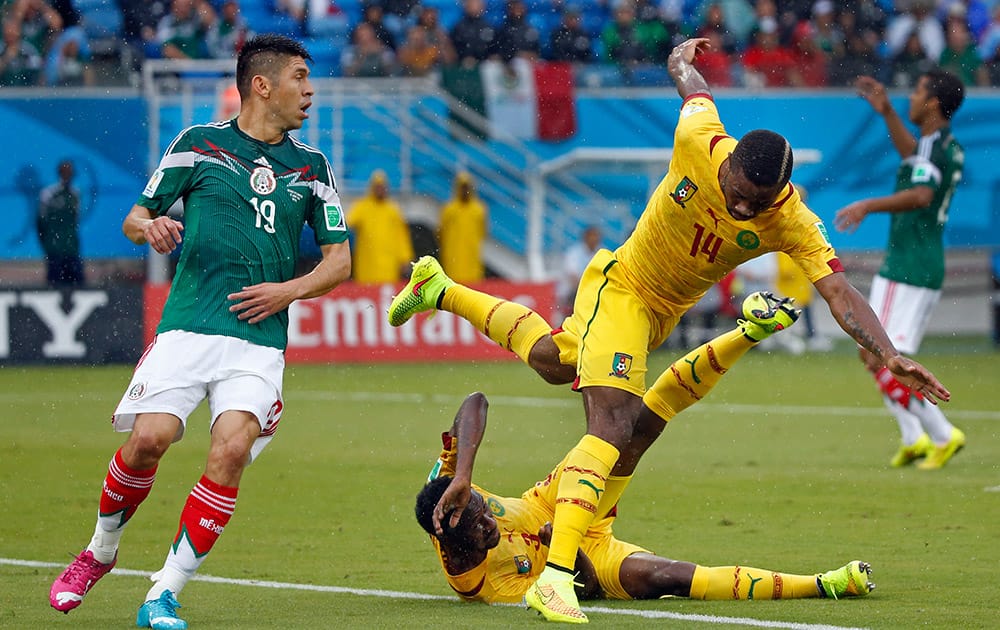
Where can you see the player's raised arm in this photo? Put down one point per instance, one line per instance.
(680, 65)
(468, 428)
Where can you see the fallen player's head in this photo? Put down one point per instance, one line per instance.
(757, 170)
(477, 529)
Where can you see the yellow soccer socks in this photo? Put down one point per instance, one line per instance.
(690, 378)
(738, 582)
(582, 482)
(511, 325)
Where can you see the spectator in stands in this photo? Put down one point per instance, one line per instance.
(766, 63)
(399, 15)
(859, 54)
(766, 12)
(382, 245)
(738, 17)
(418, 57)
(472, 35)
(183, 32)
(429, 19)
(58, 224)
(463, 226)
(323, 18)
(961, 58)
(68, 64)
(989, 48)
(20, 63)
(368, 56)
(516, 37)
(917, 18)
(975, 14)
(714, 27)
(715, 64)
(295, 9)
(575, 260)
(570, 41)
(38, 22)
(139, 21)
(811, 60)
(910, 63)
(825, 30)
(622, 41)
(229, 32)
(374, 17)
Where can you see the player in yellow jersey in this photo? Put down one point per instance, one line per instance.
(498, 547)
(721, 203)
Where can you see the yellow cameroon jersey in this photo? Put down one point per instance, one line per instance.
(514, 564)
(686, 241)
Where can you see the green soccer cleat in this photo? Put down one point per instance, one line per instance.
(552, 595)
(938, 456)
(427, 283)
(766, 314)
(850, 580)
(909, 453)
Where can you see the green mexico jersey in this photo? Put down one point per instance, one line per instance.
(916, 238)
(245, 205)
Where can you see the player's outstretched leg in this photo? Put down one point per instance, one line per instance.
(553, 596)
(766, 314)
(69, 589)
(427, 282)
(851, 580)
(160, 614)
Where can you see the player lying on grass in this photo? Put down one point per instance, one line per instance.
(499, 545)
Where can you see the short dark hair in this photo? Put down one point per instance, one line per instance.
(427, 499)
(259, 54)
(947, 89)
(764, 157)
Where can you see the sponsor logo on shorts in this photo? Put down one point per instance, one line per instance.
(621, 365)
(136, 391)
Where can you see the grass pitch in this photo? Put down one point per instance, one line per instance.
(784, 466)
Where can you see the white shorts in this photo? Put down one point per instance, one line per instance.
(180, 369)
(904, 310)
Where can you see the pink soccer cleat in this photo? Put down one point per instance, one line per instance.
(68, 590)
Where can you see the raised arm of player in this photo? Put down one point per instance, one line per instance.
(468, 428)
(680, 65)
(260, 301)
(856, 317)
(874, 92)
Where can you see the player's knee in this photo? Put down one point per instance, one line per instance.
(544, 359)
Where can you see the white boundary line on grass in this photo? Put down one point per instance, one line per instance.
(539, 401)
(542, 401)
(370, 592)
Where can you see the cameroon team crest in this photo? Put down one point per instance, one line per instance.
(621, 365)
(523, 564)
(684, 191)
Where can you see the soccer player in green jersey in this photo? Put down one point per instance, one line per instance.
(908, 285)
(248, 189)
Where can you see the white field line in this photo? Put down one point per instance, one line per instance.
(571, 401)
(370, 592)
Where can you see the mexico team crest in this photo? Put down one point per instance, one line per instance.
(684, 191)
(621, 365)
(262, 180)
(136, 391)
